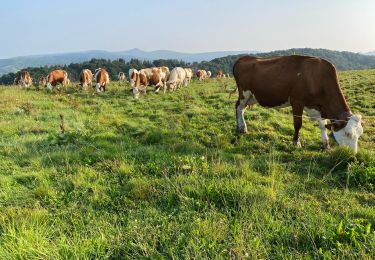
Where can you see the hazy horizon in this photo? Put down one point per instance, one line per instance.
(76, 26)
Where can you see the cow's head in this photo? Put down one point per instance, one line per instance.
(349, 135)
(133, 77)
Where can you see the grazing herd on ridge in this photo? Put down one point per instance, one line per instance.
(159, 77)
(305, 83)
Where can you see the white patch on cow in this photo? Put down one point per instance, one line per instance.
(244, 102)
(299, 74)
(349, 135)
(136, 92)
(49, 86)
(97, 87)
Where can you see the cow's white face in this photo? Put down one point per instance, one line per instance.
(136, 92)
(349, 135)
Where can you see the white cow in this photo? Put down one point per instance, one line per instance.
(189, 75)
(176, 78)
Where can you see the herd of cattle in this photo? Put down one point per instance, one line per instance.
(159, 77)
(305, 83)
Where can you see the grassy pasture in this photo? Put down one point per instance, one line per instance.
(166, 177)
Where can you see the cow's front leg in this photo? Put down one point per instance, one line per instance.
(240, 111)
(297, 121)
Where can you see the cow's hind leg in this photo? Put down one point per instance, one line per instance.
(241, 105)
(297, 121)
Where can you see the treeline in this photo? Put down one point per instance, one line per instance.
(342, 61)
(112, 66)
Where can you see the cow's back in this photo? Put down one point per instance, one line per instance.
(274, 81)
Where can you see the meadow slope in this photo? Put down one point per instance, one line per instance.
(166, 176)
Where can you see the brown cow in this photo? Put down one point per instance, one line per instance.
(220, 74)
(305, 83)
(23, 79)
(201, 74)
(102, 79)
(57, 77)
(146, 77)
(85, 78)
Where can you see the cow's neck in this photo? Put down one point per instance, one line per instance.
(336, 107)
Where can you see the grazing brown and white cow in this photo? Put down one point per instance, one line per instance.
(57, 77)
(102, 79)
(220, 74)
(121, 77)
(42, 81)
(305, 83)
(201, 75)
(146, 77)
(23, 79)
(176, 79)
(85, 78)
(164, 76)
(189, 75)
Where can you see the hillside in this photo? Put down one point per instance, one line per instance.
(342, 61)
(167, 177)
(18, 63)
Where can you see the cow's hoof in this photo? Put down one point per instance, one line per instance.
(297, 144)
(325, 147)
(242, 131)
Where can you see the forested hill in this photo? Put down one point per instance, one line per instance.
(342, 61)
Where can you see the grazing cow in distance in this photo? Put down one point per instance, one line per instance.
(147, 77)
(121, 77)
(201, 75)
(176, 78)
(209, 74)
(102, 79)
(304, 83)
(23, 79)
(57, 77)
(85, 78)
(42, 81)
(220, 74)
(164, 75)
(189, 75)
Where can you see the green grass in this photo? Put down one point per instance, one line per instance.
(167, 177)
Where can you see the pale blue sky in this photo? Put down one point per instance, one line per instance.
(43, 26)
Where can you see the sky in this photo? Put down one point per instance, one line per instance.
(31, 27)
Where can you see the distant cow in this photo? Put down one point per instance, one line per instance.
(220, 74)
(85, 78)
(147, 77)
(176, 78)
(23, 79)
(102, 79)
(42, 81)
(209, 74)
(189, 75)
(201, 75)
(121, 77)
(164, 76)
(305, 83)
(57, 77)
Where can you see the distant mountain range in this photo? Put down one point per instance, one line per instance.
(371, 53)
(17, 63)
